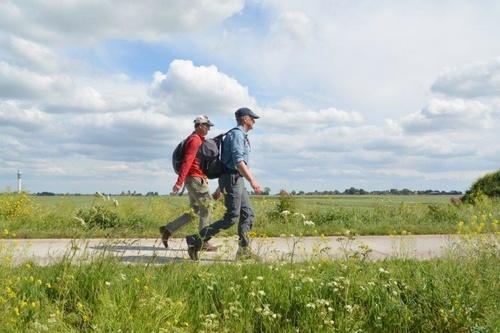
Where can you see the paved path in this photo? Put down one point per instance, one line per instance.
(47, 251)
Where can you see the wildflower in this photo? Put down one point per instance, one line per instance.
(285, 213)
(383, 271)
(79, 219)
(309, 223)
(123, 276)
(107, 283)
(260, 278)
(262, 293)
(311, 305)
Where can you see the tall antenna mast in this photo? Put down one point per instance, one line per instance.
(19, 181)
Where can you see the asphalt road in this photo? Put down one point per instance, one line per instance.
(292, 249)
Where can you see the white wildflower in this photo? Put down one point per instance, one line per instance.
(285, 213)
(79, 219)
(382, 270)
(308, 223)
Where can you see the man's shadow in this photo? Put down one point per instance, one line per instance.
(152, 254)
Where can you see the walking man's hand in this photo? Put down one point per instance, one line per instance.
(256, 187)
(217, 194)
(176, 188)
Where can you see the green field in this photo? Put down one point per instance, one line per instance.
(457, 293)
(453, 294)
(27, 216)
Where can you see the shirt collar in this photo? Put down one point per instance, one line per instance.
(242, 129)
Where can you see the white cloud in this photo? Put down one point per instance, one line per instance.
(30, 55)
(191, 90)
(18, 82)
(12, 115)
(471, 81)
(87, 20)
(294, 25)
(453, 114)
(62, 92)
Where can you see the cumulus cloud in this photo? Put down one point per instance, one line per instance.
(29, 54)
(472, 81)
(63, 93)
(292, 114)
(294, 25)
(13, 115)
(18, 82)
(83, 20)
(452, 114)
(190, 89)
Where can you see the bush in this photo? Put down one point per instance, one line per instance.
(14, 206)
(100, 216)
(488, 185)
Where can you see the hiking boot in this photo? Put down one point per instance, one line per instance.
(245, 253)
(193, 253)
(165, 235)
(209, 247)
(193, 249)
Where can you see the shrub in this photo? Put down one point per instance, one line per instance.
(14, 206)
(286, 205)
(488, 185)
(100, 216)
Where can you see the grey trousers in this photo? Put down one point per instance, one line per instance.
(199, 200)
(238, 209)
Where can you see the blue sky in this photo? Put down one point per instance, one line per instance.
(378, 95)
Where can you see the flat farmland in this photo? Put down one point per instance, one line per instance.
(26, 216)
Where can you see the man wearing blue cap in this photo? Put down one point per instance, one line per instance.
(235, 158)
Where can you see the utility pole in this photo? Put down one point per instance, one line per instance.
(19, 181)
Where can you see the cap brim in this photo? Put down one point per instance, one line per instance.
(209, 123)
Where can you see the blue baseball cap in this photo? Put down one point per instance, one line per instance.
(245, 112)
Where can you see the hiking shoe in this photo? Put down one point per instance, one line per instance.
(193, 253)
(245, 253)
(193, 247)
(165, 235)
(209, 247)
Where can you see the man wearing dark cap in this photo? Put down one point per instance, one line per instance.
(235, 158)
(196, 182)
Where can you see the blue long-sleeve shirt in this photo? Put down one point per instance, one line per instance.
(235, 148)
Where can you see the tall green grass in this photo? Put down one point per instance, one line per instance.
(442, 295)
(34, 217)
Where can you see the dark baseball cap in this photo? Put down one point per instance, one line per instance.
(245, 112)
